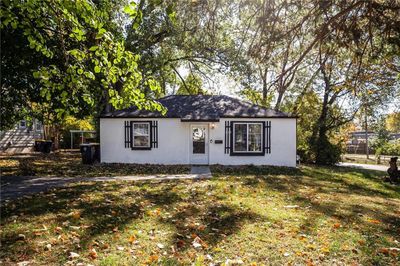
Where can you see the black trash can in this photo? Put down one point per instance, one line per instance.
(90, 153)
(96, 157)
(47, 145)
(39, 145)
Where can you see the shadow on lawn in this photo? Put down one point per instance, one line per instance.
(68, 164)
(112, 212)
(378, 214)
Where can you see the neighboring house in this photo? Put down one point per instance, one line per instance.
(22, 137)
(199, 129)
(357, 141)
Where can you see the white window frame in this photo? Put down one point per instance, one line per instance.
(22, 126)
(247, 136)
(148, 134)
(37, 125)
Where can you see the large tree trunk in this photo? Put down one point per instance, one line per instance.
(279, 101)
(319, 139)
(52, 132)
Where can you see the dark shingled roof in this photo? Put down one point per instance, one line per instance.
(201, 108)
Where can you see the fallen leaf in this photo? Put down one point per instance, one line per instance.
(132, 239)
(180, 243)
(291, 206)
(373, 221)
(47, 247)
(336, 225)
(93, 253)
(311, 246)
(76, 215)
(325, 249)
(73, 255)
(384, 251)
(201, 227)
(21, 237)
(196, 245)
(152, 258)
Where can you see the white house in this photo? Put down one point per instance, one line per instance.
(21, 138)
(199, 129)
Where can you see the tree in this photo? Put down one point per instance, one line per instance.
(180, 36)
(393, 122)
(192, 85)
(83, 66)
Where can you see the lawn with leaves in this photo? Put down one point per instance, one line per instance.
(258, 216)
(68, 164)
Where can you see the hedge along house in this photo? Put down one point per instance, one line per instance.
(199, 129)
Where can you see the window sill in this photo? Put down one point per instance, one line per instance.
(141, 148)
(247, 154)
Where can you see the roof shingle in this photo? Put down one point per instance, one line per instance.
(200, 108)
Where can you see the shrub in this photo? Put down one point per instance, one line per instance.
(391, 148)
(325, 152)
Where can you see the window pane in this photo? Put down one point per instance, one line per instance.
(198, 137)
(255, 128)
(141, 129)
(240, 140)
(254, 142)
(141, 141)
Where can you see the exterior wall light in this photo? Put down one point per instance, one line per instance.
(212, 125)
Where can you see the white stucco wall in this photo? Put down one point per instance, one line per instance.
(174, 140)
(283, 144)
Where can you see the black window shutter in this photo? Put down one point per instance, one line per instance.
(227, 137)
(267, 141)
(128, 134)
(154, 134)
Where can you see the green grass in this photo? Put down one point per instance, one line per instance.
(261, 216)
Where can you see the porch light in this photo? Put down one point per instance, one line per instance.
(212, 125)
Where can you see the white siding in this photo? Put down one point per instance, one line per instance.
(283, 144)
(174, 141)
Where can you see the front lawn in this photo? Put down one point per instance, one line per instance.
(69, 164)
(270, 216)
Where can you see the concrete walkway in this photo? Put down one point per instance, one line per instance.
(13, 187)
(365, 166)
(201, 170)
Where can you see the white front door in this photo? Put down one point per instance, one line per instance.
(199, 144)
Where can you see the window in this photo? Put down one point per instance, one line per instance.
(22, 124)
(141, 135)
(199, 139)
(39, 126)
(248, 138)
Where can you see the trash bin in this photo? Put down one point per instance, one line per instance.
(39, 145)
(96, 152)
(46, 146)
(90, 153)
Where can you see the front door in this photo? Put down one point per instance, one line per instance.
(199, 144)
